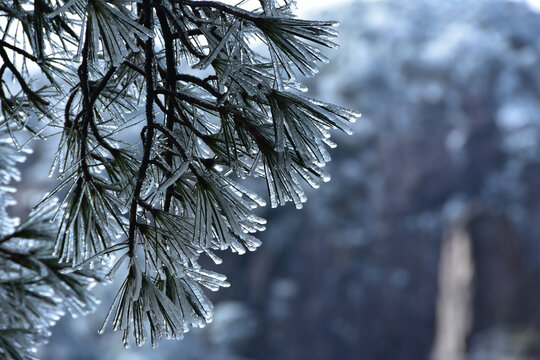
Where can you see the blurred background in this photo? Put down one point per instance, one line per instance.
(426, 243)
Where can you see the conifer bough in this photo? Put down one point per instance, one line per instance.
(210, 90)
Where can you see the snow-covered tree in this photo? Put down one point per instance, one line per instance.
(210, 89)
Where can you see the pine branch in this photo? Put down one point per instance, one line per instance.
(88, 108)
(176, 199)
(148, 132)
(170, 83)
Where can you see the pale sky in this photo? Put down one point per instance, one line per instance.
(307, 7)
(535, 4)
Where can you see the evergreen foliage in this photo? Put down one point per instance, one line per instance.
(211, 89)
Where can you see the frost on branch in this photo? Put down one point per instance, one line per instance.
(211, 92)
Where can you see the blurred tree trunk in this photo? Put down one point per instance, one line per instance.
(455, 297)
(480, 272)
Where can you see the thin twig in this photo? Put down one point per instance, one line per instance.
(33, 96)
(230, 9)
